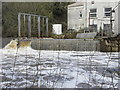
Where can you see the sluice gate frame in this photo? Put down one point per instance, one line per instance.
(29, 23)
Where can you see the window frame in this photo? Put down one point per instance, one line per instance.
(93, 27)
(93, 14)
(80, 14)
(107, 12)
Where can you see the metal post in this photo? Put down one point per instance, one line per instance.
(38, 26)
(19, 25)
(43, 28)
(101, 29)
(89, 22)
(28, 31)
(29, 26)
(24, 27)
(85, 25)
(111, 21)
(47, 27)
(110, 24)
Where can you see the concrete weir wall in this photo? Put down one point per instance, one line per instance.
(66, 44)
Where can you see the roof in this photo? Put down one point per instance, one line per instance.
(76, 4)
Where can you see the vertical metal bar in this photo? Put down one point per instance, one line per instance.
(119, 62)
(47, 27)
(24, 27)
(43, 28)
(29, 26)
(110, 24)
(85, 20)
(33, 22)
(89, 21)
(38, 26)
(19, 25)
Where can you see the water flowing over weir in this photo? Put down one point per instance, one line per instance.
(24, 67)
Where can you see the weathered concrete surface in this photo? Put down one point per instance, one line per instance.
(86, 35)
(66, 44)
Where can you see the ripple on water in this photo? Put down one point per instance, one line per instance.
(54, 78)
(4, 78)
(58, 78)
(83, 85)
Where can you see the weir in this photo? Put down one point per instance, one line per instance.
(103, 45)
(66, 44)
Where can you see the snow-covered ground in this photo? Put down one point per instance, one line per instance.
(26, 67)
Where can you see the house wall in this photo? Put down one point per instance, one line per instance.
(75, 22)
(100, 20)
(118, 20)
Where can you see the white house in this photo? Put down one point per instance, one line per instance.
(117, 21)
(94, 15)
(75, 16)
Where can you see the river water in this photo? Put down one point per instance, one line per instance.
(25, 67)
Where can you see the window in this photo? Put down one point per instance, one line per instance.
(106, 28)
(80, 14)
(93, 28)
(92, 2)
(107, 12)
(93, 12)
